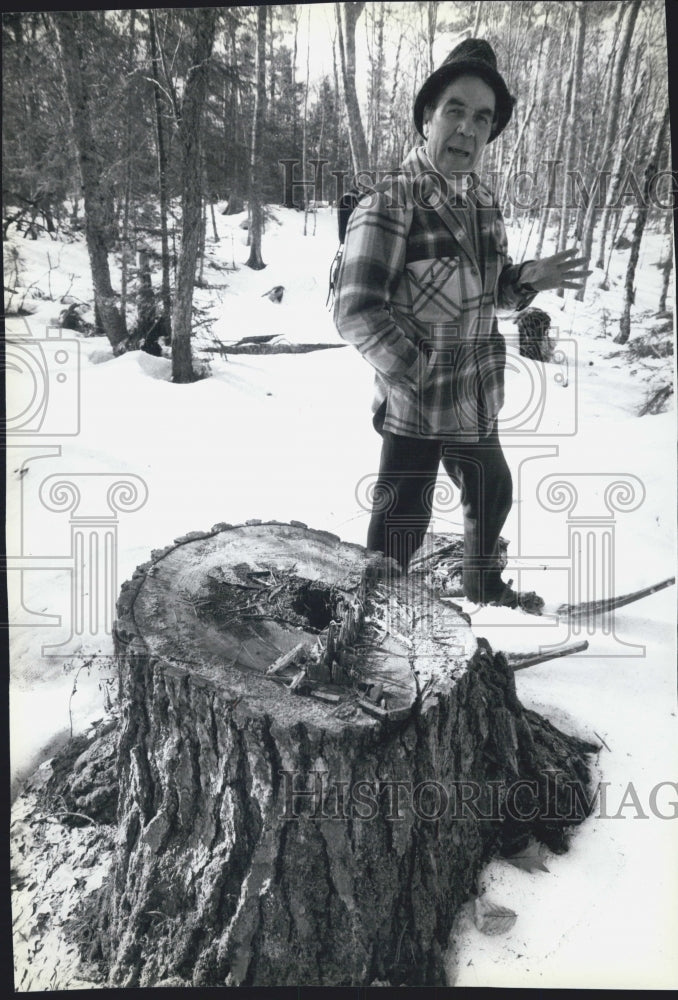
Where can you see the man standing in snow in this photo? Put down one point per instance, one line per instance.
(425, 263)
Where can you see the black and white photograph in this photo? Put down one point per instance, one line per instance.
(340, 443)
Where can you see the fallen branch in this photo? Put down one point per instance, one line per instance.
(518, 661)
(656, 401)
(592, 608)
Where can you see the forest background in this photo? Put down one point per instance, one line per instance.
(130, 125)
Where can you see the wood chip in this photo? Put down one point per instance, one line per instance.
(372, 709)
(301, 676)
(286, 659)
(328, 696)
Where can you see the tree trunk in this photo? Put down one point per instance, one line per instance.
(271, 55)
(666, 267)
(95, 197)
(611, 131)
(304, 126)
(162, 171)
(571, 141)
(639, 228)
(537, 79)
(226, 872)
(375, 52)
(620, 161)
(393, 156)
(431, 7)
(476, 23)
(557, 153)
(256, 213)
(596, 136)
(346, 34)
(188, 136)
(293, 84)
(125, 247)
(232, 123)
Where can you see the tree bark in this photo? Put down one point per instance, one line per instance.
(639, 228)
(125, 248)
(232, 124)
(571, 142)
(611, 130)
(346, 24)
(476, 23)
(431, 7)
(188, 138)
(666, 266)
(537, 78)
(620, 161)
(225, 874)
(95, 197)
(256, 208)
(162, 171)
(558, 150)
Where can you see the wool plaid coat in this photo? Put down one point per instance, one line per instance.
(418, 302)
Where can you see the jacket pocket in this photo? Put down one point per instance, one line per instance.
(435, 289)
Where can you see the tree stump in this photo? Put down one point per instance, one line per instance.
(313, 767)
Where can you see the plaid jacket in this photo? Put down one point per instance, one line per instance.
(419, 304)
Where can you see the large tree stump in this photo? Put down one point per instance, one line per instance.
(223, 875)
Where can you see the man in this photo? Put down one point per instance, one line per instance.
(425, 263)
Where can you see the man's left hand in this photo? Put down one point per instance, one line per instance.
(562, 270)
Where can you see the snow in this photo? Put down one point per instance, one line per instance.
(289, 437)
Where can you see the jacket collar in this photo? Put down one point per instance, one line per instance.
(430, 187)
(431, 190)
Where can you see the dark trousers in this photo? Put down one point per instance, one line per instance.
(404, 501)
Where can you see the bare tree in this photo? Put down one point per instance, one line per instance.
(476, 23)
(639, 228)
(347, 17)
(188, 135)
(666, 265)
(256, 207)
(611, 128)
(126, 249)
(557, 152)
(376, 58)
(162, 169)
(572, 129)
(538, 75)
(95, 195)
(621, 160)
(431, 24)
(304, 132)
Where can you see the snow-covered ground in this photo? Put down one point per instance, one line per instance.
(289, 437)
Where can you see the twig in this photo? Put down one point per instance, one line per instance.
(78, 815)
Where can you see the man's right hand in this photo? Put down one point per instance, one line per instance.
(558, 271)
